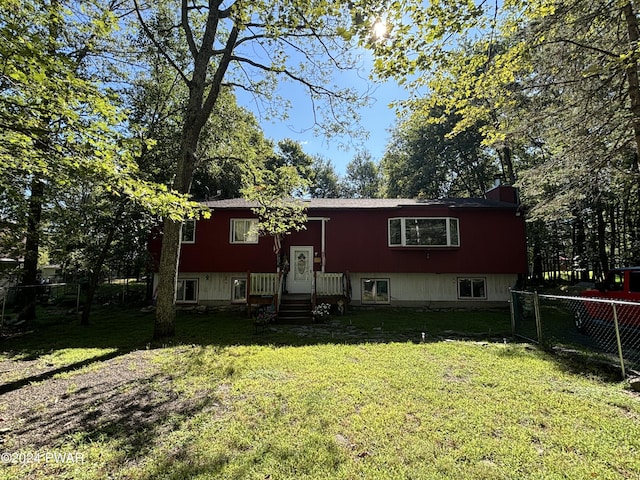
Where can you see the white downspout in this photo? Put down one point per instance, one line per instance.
(323, 240)
(324, 222)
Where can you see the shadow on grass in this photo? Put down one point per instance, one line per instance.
(130, 411)
(46, 375)
(130, 403)
(356, 326)
(580, 361)
(578, 352)
(110, 327)
(126, 330)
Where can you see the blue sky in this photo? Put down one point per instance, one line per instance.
(376, 118)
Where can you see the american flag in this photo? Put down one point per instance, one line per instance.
(277, 239)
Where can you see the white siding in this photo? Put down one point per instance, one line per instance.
(213, 288)
(406, 289)
(423, 288)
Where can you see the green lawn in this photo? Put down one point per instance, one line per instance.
(358, 398)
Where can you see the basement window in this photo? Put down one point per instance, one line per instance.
(472, 288)
(239, 290)
(375, 291)
(187, 290)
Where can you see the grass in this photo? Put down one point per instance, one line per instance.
(360, 397)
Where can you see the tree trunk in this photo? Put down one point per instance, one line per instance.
(32, 249)
(94, 278)
(538, 269)
(537, 274)
(613, 240)
(633, 88)
(633, 82)
(164, 326)
(580, 248)
(602, 241)
(507, 165)
(197, 113)
(37, 187)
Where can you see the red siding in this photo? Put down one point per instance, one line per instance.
(213, 251)
(492, 240)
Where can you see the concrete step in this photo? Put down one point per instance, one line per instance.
(295, 309)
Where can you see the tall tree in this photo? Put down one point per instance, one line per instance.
(424, 159)
(295, 40)
(363, 179)
(232, 141)
(59, 120)
(326, 182)
(233, 146)
(289, 153)
(578, 123)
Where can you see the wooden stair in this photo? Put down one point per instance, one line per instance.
(295, 309)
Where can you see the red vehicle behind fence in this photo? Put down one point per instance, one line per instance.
(621, 284)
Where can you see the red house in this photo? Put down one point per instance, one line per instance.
(399, 252)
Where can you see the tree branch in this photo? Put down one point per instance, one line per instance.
(219, 74)
(188, 33)
(586, 47)
(157, 44)
(312, 87)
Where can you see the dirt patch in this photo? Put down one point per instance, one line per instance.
(128, 398)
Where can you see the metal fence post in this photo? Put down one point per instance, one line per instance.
(536, 308)
(513, 311)
(4, 302)
(617, 328)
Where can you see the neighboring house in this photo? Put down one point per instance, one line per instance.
(398, 252)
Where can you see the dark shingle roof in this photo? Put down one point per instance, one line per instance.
(370, 203)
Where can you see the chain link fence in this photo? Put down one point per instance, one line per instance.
(607, 328)
(63, 296)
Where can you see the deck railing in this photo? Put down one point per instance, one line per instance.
(329, 284)
(263, 284)
(264, 288)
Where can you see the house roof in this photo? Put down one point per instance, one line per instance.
(370, 203)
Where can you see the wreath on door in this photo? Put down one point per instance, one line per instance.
(301, 264)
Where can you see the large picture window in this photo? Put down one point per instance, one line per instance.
(424, 232)
(244, 230)
(472, 288)
(187, 290)
(375, 290)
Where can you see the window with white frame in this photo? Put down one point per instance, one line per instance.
(424, 232)
(375, 290)
(472, 288)
(187, 290)
(244, 230)
(239, 290)
(188, 233)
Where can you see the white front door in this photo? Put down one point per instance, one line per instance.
(300, 270)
